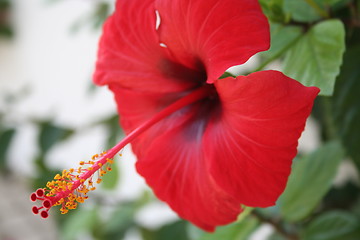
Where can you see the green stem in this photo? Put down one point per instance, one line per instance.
(318, 9)
(330, 131)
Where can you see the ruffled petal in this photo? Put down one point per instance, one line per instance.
(130, 54)
(216, 34)
(175, 168)
(250, 146)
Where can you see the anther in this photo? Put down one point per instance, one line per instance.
(40, 192)
(44, 214)
(35, 210)
(33, 197)
(47, 203)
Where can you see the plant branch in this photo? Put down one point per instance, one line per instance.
(355, 16)
(330, 126)
(276, 225)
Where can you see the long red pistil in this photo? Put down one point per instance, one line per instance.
(73, 185)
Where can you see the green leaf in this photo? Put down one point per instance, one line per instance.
(100, 14)
(346, 103)
(245, 213)
(276, 236)
(316, 58)
(305, 10)
(226, 74)
(282, 38)
(173, 231)
(51, 134)
(355, 208)
(236, 231)
(81, 220)
(336, 4)
(342, 196)
(111, 178)
(5, 4)
(95, 18)
(273, 9)
(5, 140)
(114, 130)
(6, 31)
(310, 180)
(333, 225)
(122, 218)
(120, 221)
(44, 173)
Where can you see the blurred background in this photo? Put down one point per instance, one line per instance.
(52, 117)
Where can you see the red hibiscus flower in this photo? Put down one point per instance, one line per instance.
(224, 142)
(233, 147)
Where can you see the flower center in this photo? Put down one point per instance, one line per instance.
(177, 71)
(72, 186)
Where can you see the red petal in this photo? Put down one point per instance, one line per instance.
(250, 147)
(176, 169)
(136, 107)
(170, 157)
(205, 164)
(220, 34)
(130, 54)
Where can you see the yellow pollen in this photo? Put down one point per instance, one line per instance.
(72, 186)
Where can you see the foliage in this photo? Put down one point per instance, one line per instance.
(5, 24)
(316, 57)
(318, 42)
(310, 180)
